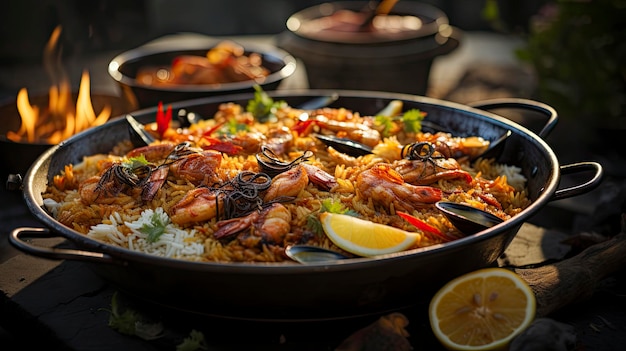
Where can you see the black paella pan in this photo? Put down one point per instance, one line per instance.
(293, 291)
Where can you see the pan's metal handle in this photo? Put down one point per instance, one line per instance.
(520, 103)
(583, 188)
(17, 239)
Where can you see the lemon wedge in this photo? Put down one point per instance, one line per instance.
(365, 238)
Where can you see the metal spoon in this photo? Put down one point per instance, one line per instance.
(467, 219)
(312, 254)
(138, 133)
(345, 145)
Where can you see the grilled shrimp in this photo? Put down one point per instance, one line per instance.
(198, 168)
(424, 172)
(354, 130)
(113, 180)
(278, 140)
(288, 183)
(291, 182)
(192, 164)
(320, 178)
(270, 225)
(458, 147)
(386, 187)
(200, 204)
(92, 190)
(152, 153)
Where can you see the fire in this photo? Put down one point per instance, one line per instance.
(62, 118)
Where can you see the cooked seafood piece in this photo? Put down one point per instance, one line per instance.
(385, 187)
(200, 204)
(269, 225)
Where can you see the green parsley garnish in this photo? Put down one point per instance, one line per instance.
(386, 122)
(328, 205)
(131, 322)
(412, 120)
(136, 162)
(122, 321)
(263, 107)
(232, 127)
(155, 228)
(313, 224)
(194, 342)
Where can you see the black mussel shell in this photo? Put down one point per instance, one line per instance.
(467, 219)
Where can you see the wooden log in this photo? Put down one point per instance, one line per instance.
(574, 279)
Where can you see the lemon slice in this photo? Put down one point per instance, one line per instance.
(482, 310)
(365, 238)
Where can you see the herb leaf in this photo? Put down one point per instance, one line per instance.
(231, 127)
(412, 120)
(313, 224)
(263, 106)
(136, 162)
(386, 122)
(131, 322)
(124, 322)
(328, 205)
(156, 227)
(194, 342)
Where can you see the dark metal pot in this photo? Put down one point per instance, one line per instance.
(365, 61)
(290, 291)
(124, 67)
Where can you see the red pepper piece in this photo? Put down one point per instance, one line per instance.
(210, 131)
(304, 127)
(489, 199)
(163, 119)
(221, 146)
(422, 225)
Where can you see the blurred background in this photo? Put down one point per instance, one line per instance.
(568, 54)
(102, 25)
(576, 47)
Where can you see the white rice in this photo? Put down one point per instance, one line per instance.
(173, 242)
(513, 174)
(52, 206)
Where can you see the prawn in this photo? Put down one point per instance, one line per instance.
(423, 164)
(289, 183)
(269, 225)
(385, 186)
(418, 172)
(199, 204)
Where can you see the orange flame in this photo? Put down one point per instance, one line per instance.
(61, 119)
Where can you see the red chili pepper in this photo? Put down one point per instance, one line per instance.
(304, 127)
(210, 131)
(218, 145)
(422, 225)
(225, 148)
(163, 119)
(489, 199)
